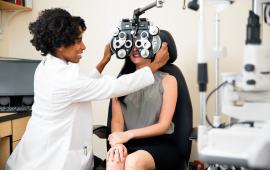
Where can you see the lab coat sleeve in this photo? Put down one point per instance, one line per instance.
(94, 73)
(89, 89)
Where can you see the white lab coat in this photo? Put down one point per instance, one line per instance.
(59, 133)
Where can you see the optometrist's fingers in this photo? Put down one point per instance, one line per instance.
(105, 59)
(162, 56)
(107, 53)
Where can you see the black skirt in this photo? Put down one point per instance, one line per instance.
(162, 148)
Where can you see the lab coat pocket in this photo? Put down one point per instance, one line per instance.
(73, 160)
(78, 159)
(86, 159)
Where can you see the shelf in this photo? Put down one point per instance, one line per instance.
(9, 10)
(12, 7)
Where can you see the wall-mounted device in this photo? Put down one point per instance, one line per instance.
(267, 13)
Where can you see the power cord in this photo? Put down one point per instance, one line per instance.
(222, 125)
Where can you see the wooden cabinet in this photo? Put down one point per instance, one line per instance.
(5, 133)
(4, 151)
(18, 128)
(5, 129)
(11, 132)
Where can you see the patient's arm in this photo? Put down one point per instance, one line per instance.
(166, 114)
(118, 152)
(117, 122)
(117, 116)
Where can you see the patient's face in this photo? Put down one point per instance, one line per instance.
(137, 59)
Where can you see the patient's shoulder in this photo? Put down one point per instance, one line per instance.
(169, 80)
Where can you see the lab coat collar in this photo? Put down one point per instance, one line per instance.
(56, 60)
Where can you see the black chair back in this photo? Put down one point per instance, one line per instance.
(183, 111)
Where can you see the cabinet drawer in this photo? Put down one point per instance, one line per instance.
(5, 129)
(18, 128)
(4, 151)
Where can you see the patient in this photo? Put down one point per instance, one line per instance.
(142, 124)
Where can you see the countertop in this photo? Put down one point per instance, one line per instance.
(13, 115)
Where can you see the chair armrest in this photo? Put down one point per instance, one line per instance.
(101, 131)
(194, 134)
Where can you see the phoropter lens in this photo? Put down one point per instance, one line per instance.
(122, 35)
(128, 44)
(144, 34)
(138, 43)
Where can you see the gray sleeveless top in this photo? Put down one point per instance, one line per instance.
(142, 108)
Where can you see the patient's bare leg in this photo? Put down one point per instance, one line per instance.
(139, 160)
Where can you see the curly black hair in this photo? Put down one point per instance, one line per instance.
(55, 28)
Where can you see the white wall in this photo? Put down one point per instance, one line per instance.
(102, 16)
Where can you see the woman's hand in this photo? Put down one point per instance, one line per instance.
(105, 59)
(162, 56)
(116, 157)
(119, 137)
(107, 54)
(117, 153)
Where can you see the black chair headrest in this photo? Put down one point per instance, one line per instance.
(167, 37)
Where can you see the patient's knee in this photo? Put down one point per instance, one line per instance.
(113, 165)
(139, 160)
(133, 162)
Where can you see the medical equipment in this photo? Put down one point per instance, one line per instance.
(245, 97)
(16, 87)
(267, 13)
(193, 5)
(139, 32)
(248, 95)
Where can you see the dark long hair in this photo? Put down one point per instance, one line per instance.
(129, 66)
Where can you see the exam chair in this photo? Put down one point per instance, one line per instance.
(183, 111)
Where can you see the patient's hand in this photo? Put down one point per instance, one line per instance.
(119, 137)
(117, 153)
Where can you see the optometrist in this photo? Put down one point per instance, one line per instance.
(59, 133)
